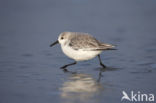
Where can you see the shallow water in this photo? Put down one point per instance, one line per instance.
(29, 68)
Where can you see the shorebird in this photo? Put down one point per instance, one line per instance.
(81, 46)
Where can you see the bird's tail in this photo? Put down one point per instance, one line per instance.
(111, 49)
(105, 46)
(106, 49)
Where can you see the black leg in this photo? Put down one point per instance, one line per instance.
(63, 67)
(101, 62)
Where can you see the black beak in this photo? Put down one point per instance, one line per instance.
(54, 43)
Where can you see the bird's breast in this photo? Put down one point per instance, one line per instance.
(79, 54)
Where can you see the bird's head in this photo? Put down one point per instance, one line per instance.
(62, 39)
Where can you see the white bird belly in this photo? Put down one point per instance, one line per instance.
(79, 55)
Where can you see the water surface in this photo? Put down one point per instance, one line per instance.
(29, 68)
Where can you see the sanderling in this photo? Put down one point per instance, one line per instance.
(81, 46)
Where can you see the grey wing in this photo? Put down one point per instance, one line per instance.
(85, 42)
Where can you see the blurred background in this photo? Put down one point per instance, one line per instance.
(29, 68)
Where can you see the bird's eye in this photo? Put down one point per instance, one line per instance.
(62, 38)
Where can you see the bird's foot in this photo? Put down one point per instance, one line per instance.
(104, 67)
(63, 67)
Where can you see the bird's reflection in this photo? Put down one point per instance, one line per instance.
(80, 87)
